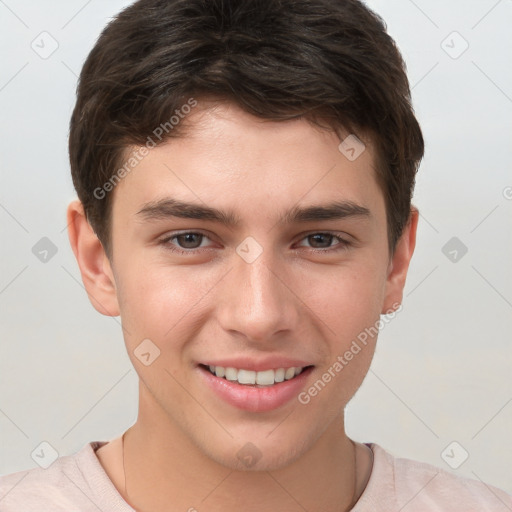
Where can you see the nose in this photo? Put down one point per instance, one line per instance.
(257, 300)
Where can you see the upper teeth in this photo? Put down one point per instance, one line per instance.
(264, 378)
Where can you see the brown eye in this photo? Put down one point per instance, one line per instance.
(189, 240)
(325, 242)
(320, 240)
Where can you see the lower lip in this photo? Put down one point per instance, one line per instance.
(254, 399)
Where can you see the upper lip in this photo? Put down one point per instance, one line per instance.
(257, 365)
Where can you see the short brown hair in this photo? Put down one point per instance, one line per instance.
(323, 60)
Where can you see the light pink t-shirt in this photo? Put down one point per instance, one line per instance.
(79, 483)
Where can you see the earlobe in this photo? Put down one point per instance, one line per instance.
(95, 268)
(399, 264)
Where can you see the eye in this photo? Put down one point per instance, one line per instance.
(323, 242)
(185, 242)
(189, 242)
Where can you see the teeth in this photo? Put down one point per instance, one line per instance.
(249, 377)
(231, 374)
(265, 378)
(289, 373)
(246, 377)
(279, 375)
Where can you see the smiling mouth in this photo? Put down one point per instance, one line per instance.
(265, 378)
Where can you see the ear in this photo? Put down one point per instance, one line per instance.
(399, 264)
(95, 268)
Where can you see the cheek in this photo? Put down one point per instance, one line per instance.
(347, 299)
(349, 306)
(158, 301)
(350, 313)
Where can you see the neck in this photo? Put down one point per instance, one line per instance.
(163, 470)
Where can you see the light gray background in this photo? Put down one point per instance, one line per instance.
(442, 371)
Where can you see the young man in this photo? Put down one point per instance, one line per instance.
(245, 172)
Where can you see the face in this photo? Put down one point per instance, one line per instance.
(257, 246)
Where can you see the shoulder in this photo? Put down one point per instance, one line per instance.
(24, 490)
(71, 482)
(412, 485)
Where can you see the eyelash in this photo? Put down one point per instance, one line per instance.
(343, 244)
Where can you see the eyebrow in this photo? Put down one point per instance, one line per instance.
(169, 208)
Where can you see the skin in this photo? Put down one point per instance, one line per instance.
(291, 301)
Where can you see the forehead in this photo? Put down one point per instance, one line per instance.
(227, 157)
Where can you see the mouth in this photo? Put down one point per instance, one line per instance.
(258, 379)
(256, 391)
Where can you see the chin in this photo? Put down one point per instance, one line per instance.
(263, 454)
